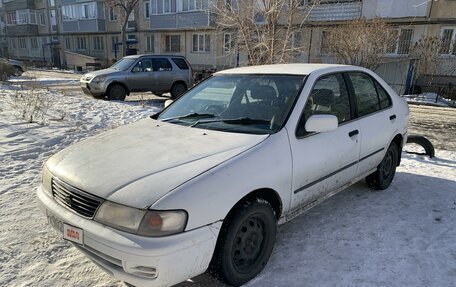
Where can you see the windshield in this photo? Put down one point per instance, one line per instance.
(257, 104)
(123, 64)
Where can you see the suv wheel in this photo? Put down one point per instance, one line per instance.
(117, 93)
(177, 90)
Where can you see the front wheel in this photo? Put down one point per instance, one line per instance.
(245, 243)
(383, 176)
(117, 93)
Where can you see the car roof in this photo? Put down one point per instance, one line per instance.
(289, 69)
(153, 55)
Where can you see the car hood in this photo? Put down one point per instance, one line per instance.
(103, 72)
(138, 163)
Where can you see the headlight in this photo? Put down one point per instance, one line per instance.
(46, 179)
(151, 223)
(99, 79)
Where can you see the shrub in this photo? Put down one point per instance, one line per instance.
(6, 70)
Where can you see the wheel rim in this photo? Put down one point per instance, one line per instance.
(248, 244)
(388, 164)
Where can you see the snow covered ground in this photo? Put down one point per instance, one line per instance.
(404, 236)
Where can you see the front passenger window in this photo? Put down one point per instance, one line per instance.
(329, 96)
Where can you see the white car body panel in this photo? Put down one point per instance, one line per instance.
(136, 159)
(164, 166)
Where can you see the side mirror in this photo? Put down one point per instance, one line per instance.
(321, 123)
(168, 102)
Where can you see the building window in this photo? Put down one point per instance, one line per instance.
(324, 48)
(296, 40)
(131, 24)
(150, 41)
(69, 12)
(405, 41)
(13, 43)
(34, 43)
(201, 42)
(51, 3)
(146, 10)
(42, 18)
(88, 11)
(22, 43)
(228, 43)
(81, 44)
(67, 43)
(448, 41)
(53, 16)
(194, 5)
(112, 14)
(172, 43)
(98, 44)
(11, 18)
(163, 6)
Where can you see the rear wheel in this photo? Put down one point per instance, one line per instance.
(117, 93)
(245, 243)
(383, 176)
(177, 90)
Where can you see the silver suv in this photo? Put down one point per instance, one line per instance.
(140, 73)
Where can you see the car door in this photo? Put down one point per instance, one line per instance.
(163, 75)
(141, 75)
(376, 119)
(324, 162)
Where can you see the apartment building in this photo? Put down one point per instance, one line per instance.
(52, 31)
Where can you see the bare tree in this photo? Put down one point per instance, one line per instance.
(360, 42)
(123, 9)
(427, 52)
(266, 30)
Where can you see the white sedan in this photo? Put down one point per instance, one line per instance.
(204, 184)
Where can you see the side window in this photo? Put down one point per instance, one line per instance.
(365, 93)
(145, 65)
(329, 96)
(385, 100)
(180, 63)
(161, 64)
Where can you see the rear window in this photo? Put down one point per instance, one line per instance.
(180, 63)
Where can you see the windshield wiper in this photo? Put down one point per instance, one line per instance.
(238, 121)
(191, 115)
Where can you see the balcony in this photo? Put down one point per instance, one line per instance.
(22, 30)
(19, 5)
(336, 12)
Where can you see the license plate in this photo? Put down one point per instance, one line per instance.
(69, 232)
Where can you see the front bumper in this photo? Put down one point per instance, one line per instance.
(133, 258)
(93, 89)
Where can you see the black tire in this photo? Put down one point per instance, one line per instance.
(116, 92)
(424, 142)
(177, 90)
(383, 176)
(245, 243)
(157, 94)
(18, 71)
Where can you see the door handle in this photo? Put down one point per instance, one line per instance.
(392, 117)
(353, 133)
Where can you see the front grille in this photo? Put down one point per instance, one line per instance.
(75, 199)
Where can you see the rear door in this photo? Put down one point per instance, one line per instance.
(323, 162)
(376, 119)
(163, 75)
